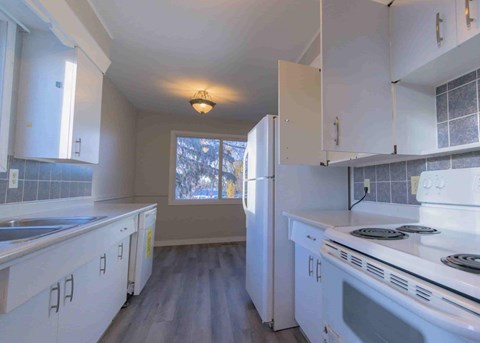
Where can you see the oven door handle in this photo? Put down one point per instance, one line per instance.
(466, 327)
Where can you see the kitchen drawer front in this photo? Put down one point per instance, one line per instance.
(307, 236)
(31, 275)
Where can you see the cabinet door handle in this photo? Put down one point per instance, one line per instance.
(68, 280)
(55, 307)
(319, 272)
(468, 17)
(104, 259)
(336, 123)
(311, 238)
(438, 20)
(310, 265)
(79, 143)
(120, 251)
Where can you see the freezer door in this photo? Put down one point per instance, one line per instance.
(259, 259)
(260, 149)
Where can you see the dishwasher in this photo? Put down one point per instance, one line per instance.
(141, 252)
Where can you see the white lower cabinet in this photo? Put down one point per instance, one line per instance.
(308, 293)
(99, 290)
(116, 285)
(76, 309)
(34, 321)
(77, 320)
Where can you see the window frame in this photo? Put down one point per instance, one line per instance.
(173, 167)
(7, 63)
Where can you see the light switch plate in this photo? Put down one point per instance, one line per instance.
(366, 183)
(13, 178)
(415, 180)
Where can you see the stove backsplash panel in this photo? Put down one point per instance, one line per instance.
(390, 183)
(44, 181)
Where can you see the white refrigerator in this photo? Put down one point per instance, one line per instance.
(269, 189)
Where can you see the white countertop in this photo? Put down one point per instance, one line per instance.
(331, 219)
(113, 212)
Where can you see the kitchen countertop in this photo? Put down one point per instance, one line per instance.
(331, 219)
(113, 212)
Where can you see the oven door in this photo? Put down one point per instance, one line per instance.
(361, 308)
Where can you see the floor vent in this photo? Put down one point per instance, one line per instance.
(375, 270)
(399, 282)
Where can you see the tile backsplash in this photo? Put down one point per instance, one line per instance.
(44, 181)
(458, 123)
(457, 111)
(390, 183)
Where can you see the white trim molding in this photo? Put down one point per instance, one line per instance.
(197, 241)
(7, 63)
(65, 24)
(100, 18)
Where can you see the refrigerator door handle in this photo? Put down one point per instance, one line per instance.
(244, 181)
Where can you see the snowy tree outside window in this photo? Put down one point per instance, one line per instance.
(208, 168)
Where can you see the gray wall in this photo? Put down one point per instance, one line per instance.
(312, 52)
(114, 176)
(181, 222)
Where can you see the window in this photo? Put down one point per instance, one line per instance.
(8, 31)
(206, 168)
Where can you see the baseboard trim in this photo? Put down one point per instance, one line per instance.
(196, 241)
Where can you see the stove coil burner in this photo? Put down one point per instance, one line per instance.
(381, 234)
(466, 262)
(417, 229)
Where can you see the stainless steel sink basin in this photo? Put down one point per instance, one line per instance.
(54, 221)
(20, 234)
(21, 230)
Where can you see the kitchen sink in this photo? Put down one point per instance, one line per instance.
(25, 233)
(54, 221)
(21, 230)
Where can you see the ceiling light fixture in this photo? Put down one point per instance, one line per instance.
(202, 102)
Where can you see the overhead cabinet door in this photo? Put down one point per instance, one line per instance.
(87, 113)
(421, 30)
(299, 107)
(357, 101)
(468, 19)
(59, 107)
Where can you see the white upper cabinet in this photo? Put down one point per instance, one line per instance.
(299, 111)
(468, 19)
(59, 107)
(421, 30)
(356, 92)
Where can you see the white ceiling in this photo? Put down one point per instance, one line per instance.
(164, 51)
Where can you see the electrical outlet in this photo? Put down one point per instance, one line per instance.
(415, 180)
(366, 183)
(13, 178)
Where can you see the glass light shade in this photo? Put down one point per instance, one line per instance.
(202, 107)
(202, 102)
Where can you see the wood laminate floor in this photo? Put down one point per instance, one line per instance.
(196, 294)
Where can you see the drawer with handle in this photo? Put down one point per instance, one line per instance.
(307, 236)
(22, 281)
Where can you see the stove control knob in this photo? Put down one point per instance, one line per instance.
(440, 184)
(427, 184)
